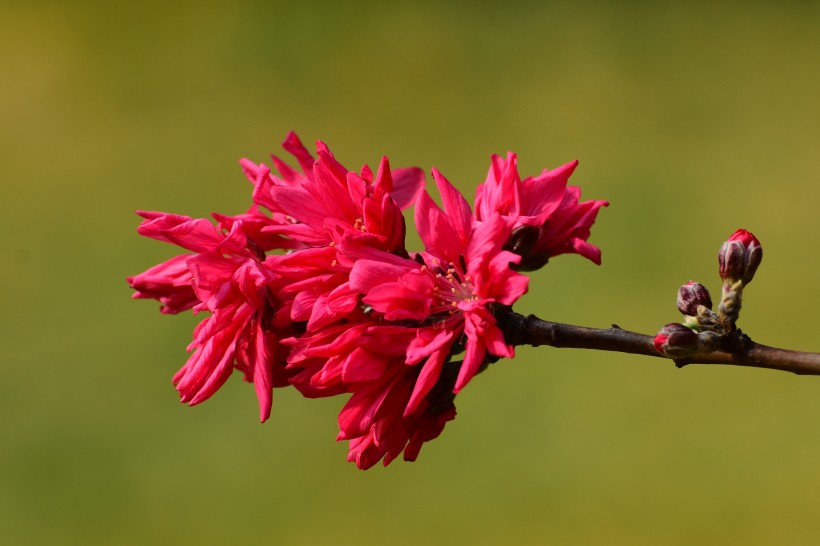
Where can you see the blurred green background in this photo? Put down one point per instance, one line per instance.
(693, 121)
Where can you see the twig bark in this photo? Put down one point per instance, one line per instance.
(531, 330)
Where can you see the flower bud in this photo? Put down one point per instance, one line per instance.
(739, 257)
(676, 341)
(690, 296)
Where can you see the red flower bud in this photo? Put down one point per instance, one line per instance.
(676, 341)
(739, 257)
(690, 296)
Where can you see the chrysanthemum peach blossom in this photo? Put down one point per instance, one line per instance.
(313, 287)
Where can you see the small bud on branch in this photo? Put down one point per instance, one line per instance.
(739, 257)
(676, 341)
(691, 296)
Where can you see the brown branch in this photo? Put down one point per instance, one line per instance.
(531, 330)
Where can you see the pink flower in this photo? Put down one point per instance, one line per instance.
(451, 285)
(368, 360)
(169, 283)
(251, 306)
(229, 278)
(341, 357)
(548, 219)
(377, 428)
(317, 209)
(341, 306)
(239, 333)
(392, 357)
(327, 201)
(424, 310)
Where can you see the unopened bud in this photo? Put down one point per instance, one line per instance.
(676, 341)
(739, 257)
(692, 295)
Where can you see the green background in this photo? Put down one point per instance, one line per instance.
(693, 121)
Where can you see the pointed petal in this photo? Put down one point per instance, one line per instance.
(384, 179)
(263, 371)
(429, 375)
(293, 145)
(542, 195)
(438, 235)
(288, 173)
(486, 242)
(473, 357)
(330, 163)
(456, 207)
(588, 251)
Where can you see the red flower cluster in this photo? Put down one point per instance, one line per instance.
(313, 287)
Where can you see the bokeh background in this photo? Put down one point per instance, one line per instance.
(693, 121)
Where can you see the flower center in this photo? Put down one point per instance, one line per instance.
(451, 286)
(359, 225)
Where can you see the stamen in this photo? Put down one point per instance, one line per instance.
(450, 287)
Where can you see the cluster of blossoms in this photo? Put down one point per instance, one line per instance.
(703, 329)
(313, 287)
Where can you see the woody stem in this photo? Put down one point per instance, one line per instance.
(740, 351)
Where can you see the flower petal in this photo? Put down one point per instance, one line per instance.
(456, 207)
